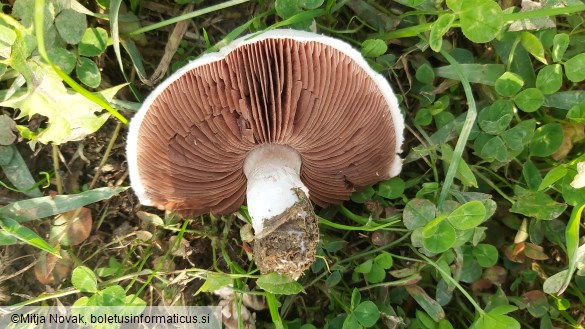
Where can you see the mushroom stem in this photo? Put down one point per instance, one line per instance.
(285, 226)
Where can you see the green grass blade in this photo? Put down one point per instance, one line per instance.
(135, 57)
(273, 307)
(19, 175)
(6, 239)
(37, 208)
(365, 228)
(115, 31)
(80, 8)
(531, 14)
(572, 237)
(447, 277)
(190, 15)
(486, 74)
(300, 17)
(26, 235)
(469, 120)
(407, 32)
(236, 32)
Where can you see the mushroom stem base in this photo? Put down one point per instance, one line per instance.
(288, 246)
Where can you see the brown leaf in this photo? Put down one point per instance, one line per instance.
(247, 248)
(431, 306)
(53, 194)
(391, 211)
(518, 248)
(481, 285)
(71, 228)
(181, 249)
(374, 208)
(50, 269)
(533, 295)
(496, 275)
(143, 235)
(404, 272)
(150, 218)
(382, 238)
(514, 252)
(535, 252)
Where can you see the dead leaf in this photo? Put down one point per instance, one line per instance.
(481, 285)
(496, 275)
(150, 218)
(230, 315)
(382, 238)
(143, 235)
(52, 270)
(514, 252)
(71, 228)
(182, 249)
(535, 252)
(255, 302)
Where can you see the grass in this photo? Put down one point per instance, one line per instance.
(482, 229)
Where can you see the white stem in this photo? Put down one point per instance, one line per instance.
(272, 171)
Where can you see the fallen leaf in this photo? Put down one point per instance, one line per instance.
(514, 253)
(496, 275)
(481, 285)
(51, 270)
(181, 249)
(535, 252)
(71, 228)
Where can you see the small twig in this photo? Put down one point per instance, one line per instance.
(121, 180)
(63, 161)
(106, 155)
(19, 272)
(79, 154)
(56, 168)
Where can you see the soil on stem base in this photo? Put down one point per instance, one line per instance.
(288, 243)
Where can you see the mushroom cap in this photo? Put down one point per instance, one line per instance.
(188, 142)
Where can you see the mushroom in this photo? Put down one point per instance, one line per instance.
(280, 119)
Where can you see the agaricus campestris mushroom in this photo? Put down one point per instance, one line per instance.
(277, 119)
